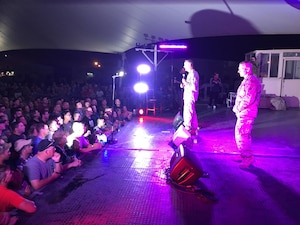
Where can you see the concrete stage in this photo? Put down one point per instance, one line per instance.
(125, 183)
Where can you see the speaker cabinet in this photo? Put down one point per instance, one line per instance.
(178, 121)
(180, 135)
(184, 170)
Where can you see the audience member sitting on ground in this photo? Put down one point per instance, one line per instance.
(67, 122)
(126, 114)
(88, 122)
(79, 109)
(118, 104)
(77, 116)
(53, 126)
(2, 128)
(45, 166)
(100, 133)
(67, 158)
(4, 152)
(18, 132)
(45, 115)
(78, 142)
(9, 199)
(42, 130)
(6, 132)
(110, 120)
(24, 149)
(18, 183)
(35, 117)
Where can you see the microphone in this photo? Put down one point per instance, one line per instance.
(182, 71)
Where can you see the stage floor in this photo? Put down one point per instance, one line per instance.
(126, 183)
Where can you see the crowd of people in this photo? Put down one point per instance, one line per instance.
(42, 138)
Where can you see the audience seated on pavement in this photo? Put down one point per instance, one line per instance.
(10, 200)
(45, 166)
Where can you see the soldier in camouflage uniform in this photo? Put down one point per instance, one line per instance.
(246, 109)
(190, 85)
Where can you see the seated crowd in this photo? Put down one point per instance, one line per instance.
(40, 140)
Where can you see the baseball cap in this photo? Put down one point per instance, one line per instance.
(21, 143)
(44, 144)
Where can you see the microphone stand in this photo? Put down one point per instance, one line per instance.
(112, 140)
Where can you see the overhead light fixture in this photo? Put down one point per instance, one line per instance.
(173, 46)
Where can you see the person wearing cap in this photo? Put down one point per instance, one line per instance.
(24, 149)
(45, 166)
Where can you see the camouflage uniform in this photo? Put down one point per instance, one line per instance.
(190, 96)
(246, 109)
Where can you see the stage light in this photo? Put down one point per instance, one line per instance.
(141, 112)
(172, 46)
(141, 87)
(121, 73)
(143, 69)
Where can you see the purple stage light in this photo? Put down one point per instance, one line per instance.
(172, 46)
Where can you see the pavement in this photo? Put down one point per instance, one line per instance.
(128, 182)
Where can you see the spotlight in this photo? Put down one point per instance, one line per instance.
(141, 112)
(143, 69)
(121, 73)
(141, 87)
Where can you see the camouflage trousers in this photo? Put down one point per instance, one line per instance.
(243, 139)
(189, 115)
